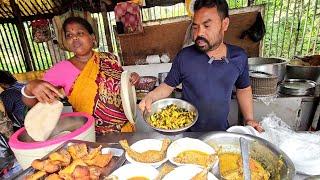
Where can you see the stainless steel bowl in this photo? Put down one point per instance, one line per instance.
(157, 105)
(303, 72)
(272, 158)
(275, 66)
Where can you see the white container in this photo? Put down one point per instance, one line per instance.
(26, 150)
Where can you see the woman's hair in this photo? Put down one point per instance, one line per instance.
(7, 78)
(80, 21)
(222, 6)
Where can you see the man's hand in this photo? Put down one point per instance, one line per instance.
(145, 103)
(255, 124)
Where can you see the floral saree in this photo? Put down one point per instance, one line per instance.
(96, 91)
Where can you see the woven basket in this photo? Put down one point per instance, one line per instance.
(263, 84)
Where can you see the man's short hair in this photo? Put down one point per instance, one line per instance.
(222, 6)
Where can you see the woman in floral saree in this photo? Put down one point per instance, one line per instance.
(91, 80)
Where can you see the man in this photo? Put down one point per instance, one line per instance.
(209, 70)
(12, 98)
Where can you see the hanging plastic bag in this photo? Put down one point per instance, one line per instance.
(303, 148)
(256, 31)
(41, 31)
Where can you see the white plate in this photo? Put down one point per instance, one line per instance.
(244, 130)
(133, 170)
(185, 144)
(186, 172)
(144, 145)
(239, 129)
(128, 97)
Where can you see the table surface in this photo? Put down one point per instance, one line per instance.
(133, 137)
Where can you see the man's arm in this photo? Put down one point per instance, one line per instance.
(160, 92)
(244, 97)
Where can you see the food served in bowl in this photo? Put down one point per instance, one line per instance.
(191, 151)
(231, 167)
(272, 159)
(171, 115)
(195, 157)
(148, 151)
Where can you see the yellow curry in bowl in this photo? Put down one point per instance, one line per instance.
(231, 167)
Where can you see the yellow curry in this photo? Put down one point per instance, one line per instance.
(231, 167)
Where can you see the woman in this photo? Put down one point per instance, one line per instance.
(91, 80)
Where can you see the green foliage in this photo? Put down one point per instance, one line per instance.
(292, 28)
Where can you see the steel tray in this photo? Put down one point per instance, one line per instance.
(117, 160)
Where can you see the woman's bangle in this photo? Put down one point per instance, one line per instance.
(25, 95)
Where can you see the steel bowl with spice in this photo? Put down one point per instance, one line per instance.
(181, 111)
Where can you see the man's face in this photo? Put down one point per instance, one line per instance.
(208, 29)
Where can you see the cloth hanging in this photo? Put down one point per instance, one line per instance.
(129, 14)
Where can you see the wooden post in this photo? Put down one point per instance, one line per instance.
(106, 26)
(22, 35)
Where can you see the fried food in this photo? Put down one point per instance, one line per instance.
(100, 160)
(53, 177)
(111, 177)
(81, 172)
(172, 117)
(36, 175)
(149, 156)
(195, 157)
(77, 151)
(202, 175)
(93, 153)
(166, 168)
(69, 169)
(63, 156)
(74, 163)
(95, 172)
(231, 167)
(46, 165)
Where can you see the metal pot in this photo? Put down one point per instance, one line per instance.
(303, 72)
(275, 66)
(275, 161)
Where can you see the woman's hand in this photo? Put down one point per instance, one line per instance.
(134, 78)
(43, 91)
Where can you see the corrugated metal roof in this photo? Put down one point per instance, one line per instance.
(29, 7)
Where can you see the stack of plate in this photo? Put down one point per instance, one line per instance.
(298, 87)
